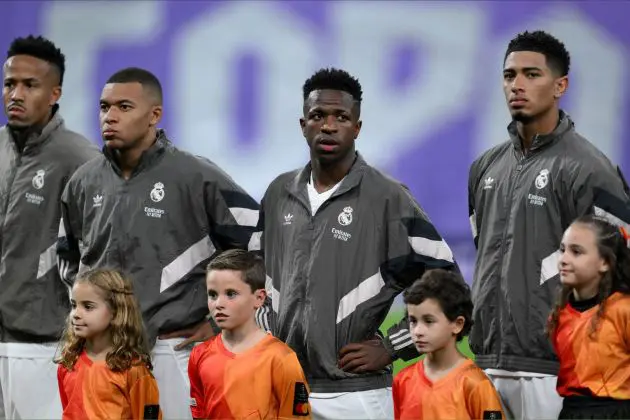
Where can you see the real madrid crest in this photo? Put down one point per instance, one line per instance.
(157, 193)
(38, 179)
(345, 217)
(542, 179)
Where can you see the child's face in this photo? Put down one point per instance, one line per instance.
(580, 263)
(230, 300)
(430, 329)
(90, 314)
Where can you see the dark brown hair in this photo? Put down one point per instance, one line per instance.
(250, 264)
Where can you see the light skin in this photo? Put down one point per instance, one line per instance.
(435, 335)
(330, 126)
(581, 265)
(532, 91)
(233, 305)
(30, 90)
(129, 114)
(91, 317)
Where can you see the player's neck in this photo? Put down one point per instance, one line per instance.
(542, 125)
(438, 363)
(326, 175)
(129, 159)
(242, 338)
(98, 346)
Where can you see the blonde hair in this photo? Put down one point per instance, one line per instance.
(129, 341)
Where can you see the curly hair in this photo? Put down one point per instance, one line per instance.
(334, 79)
(556, 54)
(42, 48)
(129, 340)
(612, 246)
(449, 290)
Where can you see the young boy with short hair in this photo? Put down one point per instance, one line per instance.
(445, 384)
(243, 372)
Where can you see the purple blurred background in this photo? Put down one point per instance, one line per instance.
(431, 73)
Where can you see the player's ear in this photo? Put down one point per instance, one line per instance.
(458, 325)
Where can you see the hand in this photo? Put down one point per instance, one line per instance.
(367, 356)
(195, 334)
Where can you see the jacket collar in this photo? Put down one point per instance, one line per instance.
(297, 185)
(540, 141)
(148, 158)
(37, 138)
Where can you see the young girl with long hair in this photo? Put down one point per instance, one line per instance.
(105, 365)
(590, 326)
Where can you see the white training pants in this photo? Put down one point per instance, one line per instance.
(373, 404)
(528, 397)
(170, 368)
(28, 381)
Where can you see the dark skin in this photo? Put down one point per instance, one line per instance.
(330, 126)
(532, 91)
(129, 116)
(30, 90)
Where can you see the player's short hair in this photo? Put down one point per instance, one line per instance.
(147, 79)
(41, 48)
(556, 54)
(449, 290)
(250, 264)
(333, 79)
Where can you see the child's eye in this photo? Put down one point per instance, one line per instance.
(212, 295)
(232, 294)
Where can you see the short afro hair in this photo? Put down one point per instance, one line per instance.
(41, 48)
(137, 75)
(556, 54)
(449, 290)
(334, 79)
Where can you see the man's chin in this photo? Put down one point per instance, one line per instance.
(18, 125)
(522, 117)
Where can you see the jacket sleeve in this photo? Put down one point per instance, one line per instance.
(232, 213)
(413, 247)
(600, 189)
(472, 207)
(265, 316)
(68, 252)
(291, 389)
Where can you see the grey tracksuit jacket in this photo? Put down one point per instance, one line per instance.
(520, 205)
(160, 227)
(333, 275)
(34, 302)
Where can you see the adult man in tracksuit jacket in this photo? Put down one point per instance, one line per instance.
(523, 194)
(341, 240)
(158, 214)
(38, 154)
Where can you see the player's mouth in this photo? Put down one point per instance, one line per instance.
(109, 134)
(518, 102)
(326, 143)
(421, 344)
(15, 110)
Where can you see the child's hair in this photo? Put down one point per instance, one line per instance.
(449, 290)
(250, 264)
(129, 341)
(612, 246)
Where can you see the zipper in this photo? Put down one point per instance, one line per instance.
(509, 210)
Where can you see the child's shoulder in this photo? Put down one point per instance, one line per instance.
(473, 376)
(205, 347)
(409, 373)
(618, 304)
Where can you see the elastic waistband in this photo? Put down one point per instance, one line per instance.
(517, 363)
(359, 383)
(28, 350)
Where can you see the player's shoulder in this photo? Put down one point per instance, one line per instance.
(490, 156)
(138, 370)
(204, 348)
(278, 348)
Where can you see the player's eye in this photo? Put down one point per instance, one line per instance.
(212, 295)
(232, 294)
(125, 107)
